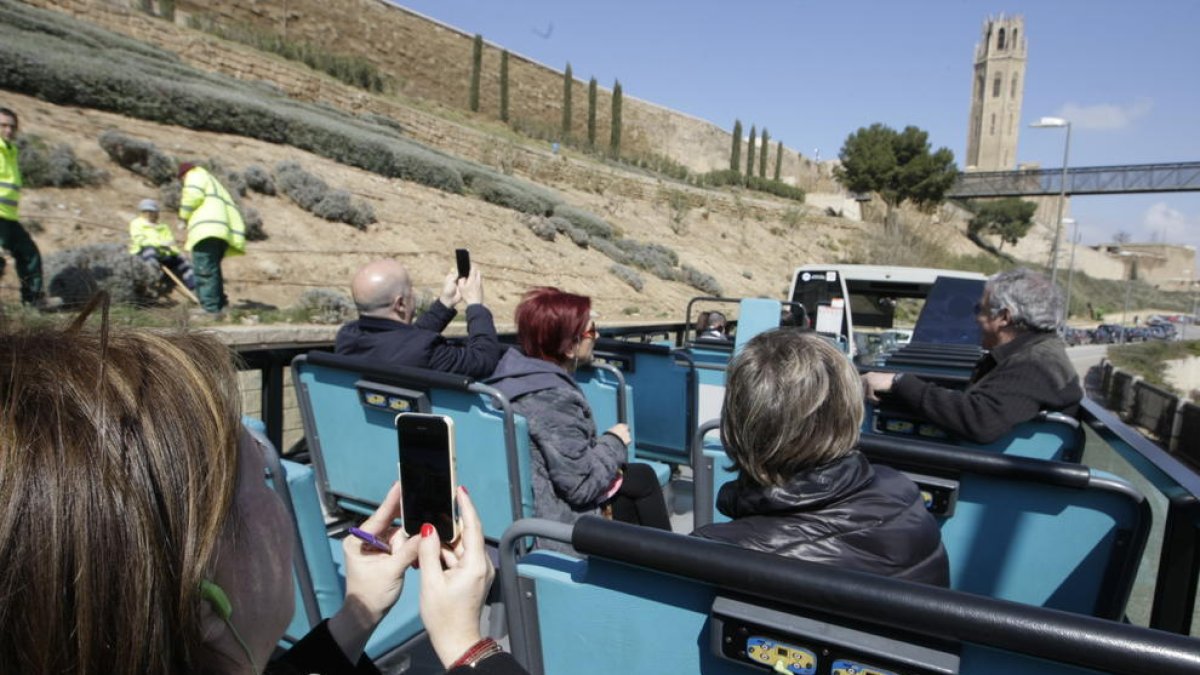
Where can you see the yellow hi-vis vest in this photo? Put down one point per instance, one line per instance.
(210, 213)
(10, 181)
(143, 233)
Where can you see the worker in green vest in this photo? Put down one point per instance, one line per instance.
(214, 229)
(13, 237)
(153, 241)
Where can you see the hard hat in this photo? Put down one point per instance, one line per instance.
(148, 205)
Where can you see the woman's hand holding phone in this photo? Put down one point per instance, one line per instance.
(374, 578)
(452, 598)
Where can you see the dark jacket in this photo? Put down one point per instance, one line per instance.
(319, 654)
(421, 345)
(572, 468)
(847, 513)
(1010, 385)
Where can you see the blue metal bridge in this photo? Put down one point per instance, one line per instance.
(1095, 180)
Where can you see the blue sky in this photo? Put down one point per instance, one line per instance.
(1125, 73)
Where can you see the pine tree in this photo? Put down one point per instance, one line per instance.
(778, 160)
(476, 65)
(568, 80)
(614, 147)
(735, 155)
(504, 86)
(750, 153)
(762, 155)
(591, 127)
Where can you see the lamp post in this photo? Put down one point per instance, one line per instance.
(1071, 267)
(1130, 271)
(1052, 123)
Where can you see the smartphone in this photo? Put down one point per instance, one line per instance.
(463, 257)
(427, 474)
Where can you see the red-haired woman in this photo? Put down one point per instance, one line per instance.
(575, 472)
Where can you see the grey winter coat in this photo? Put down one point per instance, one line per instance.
(572, 467)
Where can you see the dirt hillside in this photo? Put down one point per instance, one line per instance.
(749, 242)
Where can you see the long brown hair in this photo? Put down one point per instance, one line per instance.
(118, 462)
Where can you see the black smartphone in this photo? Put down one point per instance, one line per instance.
(427, 474)
(463, 257)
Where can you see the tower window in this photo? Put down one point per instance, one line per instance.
(1013, 39)
(979, 87)
(1014, 85)
(1000, 40)
(996, 87)
(992, 128)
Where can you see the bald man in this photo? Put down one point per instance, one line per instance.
(386, 333)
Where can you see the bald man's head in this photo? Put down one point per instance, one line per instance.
(382, 289)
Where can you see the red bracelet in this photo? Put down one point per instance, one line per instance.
(478, 652)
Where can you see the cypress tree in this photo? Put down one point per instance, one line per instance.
(566, 110)
(166, 9)
(735, 155)
(778, 159)
(476, 65)
(504, 86)
(762, 155)
(592, 113)
(750, 153)
(614, 146)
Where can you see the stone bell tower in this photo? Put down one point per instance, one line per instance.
(998, 87)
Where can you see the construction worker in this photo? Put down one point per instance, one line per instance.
(13, 237)
(153, 241)
(214, 229)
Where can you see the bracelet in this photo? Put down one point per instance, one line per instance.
(478, 652)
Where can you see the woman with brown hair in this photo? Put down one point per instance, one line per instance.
(792, 412)
(139, 534)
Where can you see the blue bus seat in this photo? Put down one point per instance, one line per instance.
(651, 602)
(756, 315)
(609, 396)
(662, 379)
(1051, 435)
(1049, 534)
(319, 579)
(348, 409)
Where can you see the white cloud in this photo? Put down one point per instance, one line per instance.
(1166, 224)
(1105, 116)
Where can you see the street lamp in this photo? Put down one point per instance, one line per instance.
(1071, 268)
(1049, 123)
(1130, 271)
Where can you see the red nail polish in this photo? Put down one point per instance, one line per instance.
(464, 489)
(426, 530)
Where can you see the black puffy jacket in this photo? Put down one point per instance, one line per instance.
(847, 513)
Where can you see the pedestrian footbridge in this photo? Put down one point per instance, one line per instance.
(1094, 180)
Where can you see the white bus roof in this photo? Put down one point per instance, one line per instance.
(909, 275)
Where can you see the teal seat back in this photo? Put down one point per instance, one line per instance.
(756, 315)
(661, 405)
(354, 445)
(609, 614)
(1052, 436)
(328, 586)
(605, 389)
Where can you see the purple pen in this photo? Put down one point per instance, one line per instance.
(371, 540)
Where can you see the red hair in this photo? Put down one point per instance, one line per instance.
(549, 321)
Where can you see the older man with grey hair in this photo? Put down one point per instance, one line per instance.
(1026, 369)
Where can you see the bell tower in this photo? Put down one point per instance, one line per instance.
(997, 89)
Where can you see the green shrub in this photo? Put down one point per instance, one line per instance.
(259, 180)
(314, 195)
(542, 227)
(163, 90)
(610, 249)
(654, 258)
(706, 283)
(775, 188)
(76, 274)
(24, 18)
(327, 306)
(254, 224)
(568, 84)
(140, 157)
(595, 226)
(509, 195)
(43, 165)
(355, 71)
(750, 152)
(735, 153)
(778, 160)
(504, 86)
(628, 275)
(762, 157)
(591, 116)
(614, 141)
(577, 235)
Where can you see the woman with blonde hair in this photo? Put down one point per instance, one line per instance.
(791, 419)
(139, 533)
